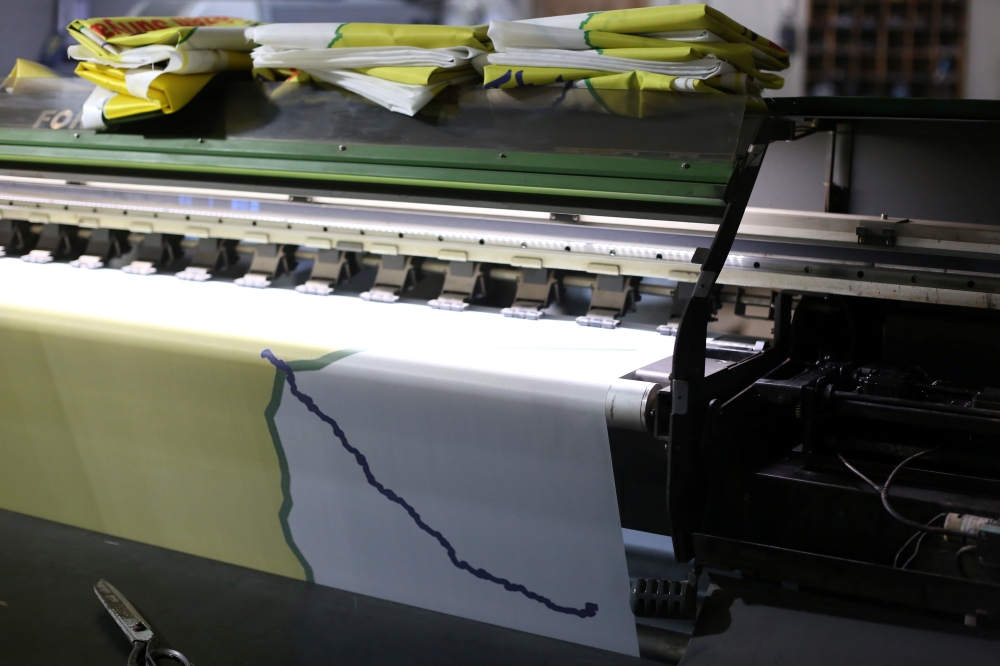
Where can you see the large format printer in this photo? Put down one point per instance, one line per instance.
(818, 447)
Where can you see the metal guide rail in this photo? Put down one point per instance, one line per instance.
(940, 262)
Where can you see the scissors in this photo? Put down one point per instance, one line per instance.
(147, 647)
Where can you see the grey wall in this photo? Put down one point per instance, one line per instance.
(24, 25)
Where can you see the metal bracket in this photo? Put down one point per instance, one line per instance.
(269, 261)
(879, 232)
(564, 217)
(15, 236)
(613, 296)
(155, 250)
(743, 300)
(395, 274)
(755, 155)
(536, 289)
(104, 245)
(210, 254)
(679, 391)
(56, 241)
(463, 281)
(329, 268)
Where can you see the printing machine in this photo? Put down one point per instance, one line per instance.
(827, 266)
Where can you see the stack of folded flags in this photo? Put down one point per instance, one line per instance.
(400, 67)
(150, 66)
(682, 48)
(154, 66)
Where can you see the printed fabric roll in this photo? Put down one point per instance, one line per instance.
(399, 67)
(152, 66)
(681, 48)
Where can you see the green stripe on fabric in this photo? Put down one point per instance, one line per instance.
(597, 97)
(336, 36)
(587, 20)
(286, 479)
(186, 36)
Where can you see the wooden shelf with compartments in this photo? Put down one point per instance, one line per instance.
(887, 48)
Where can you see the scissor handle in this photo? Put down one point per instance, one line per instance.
(166, 653)
(138, 651)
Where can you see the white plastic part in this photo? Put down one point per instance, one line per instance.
(452, 304)
(87, 261)
(315, 287)
(140, 268)
(531, 314)
(195, 274)
(254, 281)
(598, 321)
(38, 257)
(380, 296)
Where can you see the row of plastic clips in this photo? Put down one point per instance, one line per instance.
(464, 281)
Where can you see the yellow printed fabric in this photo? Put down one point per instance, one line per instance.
(26, 69)
(135, 41)
(666, 22)
(165, 93)
(526, 77)
(400, 67)
(153, 65)
(695, 47)
(415, 76)
(311, 36)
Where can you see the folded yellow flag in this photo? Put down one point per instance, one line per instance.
(166, 93)
(367, 35)
(417, 76)
(350, 35)
(646, 48)
(654, 21)
(122, 39)
(153, 64)
(658, 56)
(28, 69)
(694, 46)
(400, 67)
(500, 76)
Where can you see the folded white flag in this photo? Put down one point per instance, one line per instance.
(361, 57)
(398, 97)
(532, 35)
(574, 21)
(521, 34)
(168, 58)
(704, 67)
(702, 36)
(294, 35)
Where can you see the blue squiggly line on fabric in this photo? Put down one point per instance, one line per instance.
(499, 81)
(589, 609)
(566, 88)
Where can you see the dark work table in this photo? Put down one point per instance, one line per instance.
(218, 613)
